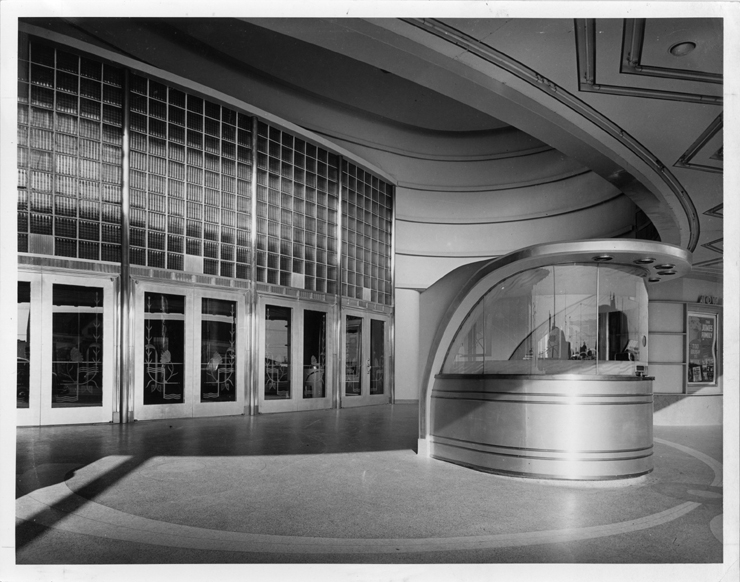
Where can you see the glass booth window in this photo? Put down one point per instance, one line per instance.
(77, 346)
(218, 351)
(23, 366)
(277, 352)
(564, 319)
(164, 348)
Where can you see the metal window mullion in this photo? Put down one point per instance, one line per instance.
(252, 387)
(338, 367)
(392, 330)
(126, 353)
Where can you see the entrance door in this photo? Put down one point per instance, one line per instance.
(190, 352)
(65, 349)
(365, 357)
(295, 355)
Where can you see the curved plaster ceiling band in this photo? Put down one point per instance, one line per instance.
(405, 153)
(537, 216)
(492, 187)
(534, 79)
(60, 508)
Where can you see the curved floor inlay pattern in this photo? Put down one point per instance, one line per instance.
(58, 507)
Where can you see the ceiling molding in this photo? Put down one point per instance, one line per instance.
(507, 220)
(715, 245)
(707, 138)
(587, 81)
(491, 187)
(533, 78)
(633, 40)
(717, 211)
(709, 263)
(405, 153)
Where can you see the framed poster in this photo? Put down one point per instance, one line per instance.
(702, 348)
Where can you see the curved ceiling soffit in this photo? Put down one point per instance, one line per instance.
(572, 209)
(491, 144)
(598, 124)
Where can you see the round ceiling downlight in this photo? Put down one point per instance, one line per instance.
(681, 49)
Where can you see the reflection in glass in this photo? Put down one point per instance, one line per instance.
(314, 354)
(218, 351)
(164, 348)
(353, 351)
(23, 385)
(377, 356)
(277, 352)
(623, 320)
(576, 319)
(77, 346)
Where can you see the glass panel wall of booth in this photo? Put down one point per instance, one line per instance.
(563, 319)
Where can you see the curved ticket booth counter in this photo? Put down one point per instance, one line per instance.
(539, 366)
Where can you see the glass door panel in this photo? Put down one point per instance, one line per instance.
(23, 358)
(190, 351)
(65, 358)
(353, 371)
(218, 352)
(365, 352)
(377, 356)
(295, 355)
(277, 368)
(164, 349)
(314, 354)
(77, 346)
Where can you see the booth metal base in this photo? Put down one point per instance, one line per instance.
(545, 427)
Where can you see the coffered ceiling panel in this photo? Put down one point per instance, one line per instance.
(706, 152)
(633, 58)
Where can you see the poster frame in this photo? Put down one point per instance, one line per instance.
(699, 384)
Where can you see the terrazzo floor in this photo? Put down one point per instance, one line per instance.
(343, 486)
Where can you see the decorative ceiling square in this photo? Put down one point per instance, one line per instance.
(644, 66)
(706, 152)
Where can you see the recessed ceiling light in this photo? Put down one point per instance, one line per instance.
(653, 280)
(665, 266)
(681, 49)
(602, 258)
(666, 272)
(645, 261)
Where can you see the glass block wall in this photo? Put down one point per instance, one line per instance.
(190, 181)
(366, 232)
(297, 200)
(70, 133)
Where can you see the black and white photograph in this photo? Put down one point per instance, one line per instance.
(369, 291)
